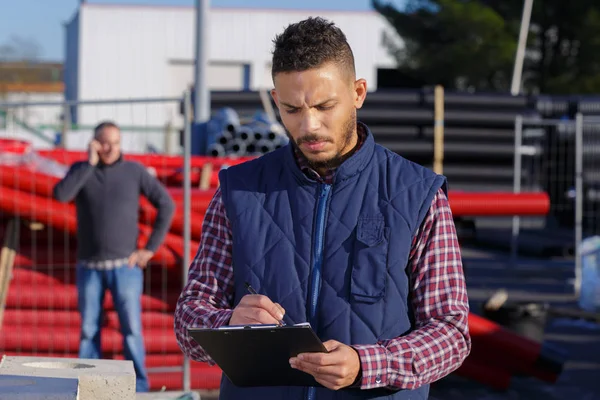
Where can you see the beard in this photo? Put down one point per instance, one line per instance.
(348, 131)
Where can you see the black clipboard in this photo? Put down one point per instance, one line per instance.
(258, 355)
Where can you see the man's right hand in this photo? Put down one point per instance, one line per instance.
(256, 309)
(93, 150)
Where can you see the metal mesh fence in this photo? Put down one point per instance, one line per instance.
(590, 170)
(544, 154)
(38, 280)
(587, 214)
(561, 158)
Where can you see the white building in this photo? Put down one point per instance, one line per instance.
(126, 52)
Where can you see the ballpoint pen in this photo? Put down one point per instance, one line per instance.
(252, 291)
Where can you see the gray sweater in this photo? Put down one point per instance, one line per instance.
(107, 201)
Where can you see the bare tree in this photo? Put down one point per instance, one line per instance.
(18, 48)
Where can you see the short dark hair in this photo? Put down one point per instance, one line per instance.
(105, 124)
(309, 44)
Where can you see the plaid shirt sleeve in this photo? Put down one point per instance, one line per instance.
(207, 298)
(440, 340)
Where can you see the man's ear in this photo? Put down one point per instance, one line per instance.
(360, 92)
(274, 96)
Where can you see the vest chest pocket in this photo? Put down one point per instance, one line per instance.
(369, 260)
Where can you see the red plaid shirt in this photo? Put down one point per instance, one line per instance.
(439, 342)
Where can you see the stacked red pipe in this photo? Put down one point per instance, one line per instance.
(42, 296)
(168, 169)
(43, 301)
(42, 293)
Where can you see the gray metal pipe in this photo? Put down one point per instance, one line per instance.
(236, 146)
(216, 150)
(224, 138)
(244, 133)
(187, 205)
(264, 146)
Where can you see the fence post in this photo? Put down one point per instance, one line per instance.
(66, 123)
(205, 175)
(187, 192)
(438, 130)
(169, 133)
(578, 200)
(516, 221)
(7, 260)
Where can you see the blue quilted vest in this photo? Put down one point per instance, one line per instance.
(333, 255)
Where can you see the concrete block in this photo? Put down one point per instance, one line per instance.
(14, 387)
(97, 379)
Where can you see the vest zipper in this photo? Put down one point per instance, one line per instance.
(317, 256)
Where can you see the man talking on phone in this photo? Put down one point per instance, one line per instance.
(106, 189)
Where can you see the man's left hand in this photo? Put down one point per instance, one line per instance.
(140, 258)
(334, 370)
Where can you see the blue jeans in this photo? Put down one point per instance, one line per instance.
(125, 285)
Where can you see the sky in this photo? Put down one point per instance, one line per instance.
(41, 21)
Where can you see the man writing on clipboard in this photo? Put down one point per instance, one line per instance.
(336, 231)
